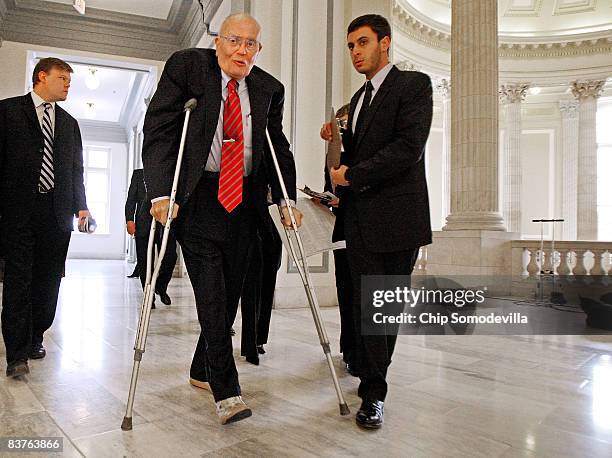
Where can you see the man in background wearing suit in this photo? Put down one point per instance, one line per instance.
(344, 284)
(258, 290)
(41, 190)
(225, 175)
(138, 224)
(383, 189)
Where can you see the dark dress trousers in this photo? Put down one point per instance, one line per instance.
(258, 291)
(387, 195)
(215, 243)
(344, 287)
(137, 207)
(35, 228)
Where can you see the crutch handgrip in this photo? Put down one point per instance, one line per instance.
(189, 106)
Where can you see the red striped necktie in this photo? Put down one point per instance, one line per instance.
(232, 151)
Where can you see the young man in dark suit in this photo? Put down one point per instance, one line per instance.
(138, 224)
(225, 175)
(41, 190)
(383, 188)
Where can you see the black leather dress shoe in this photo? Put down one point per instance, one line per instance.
(17, 368)
(37, 352)
(163, 296)
(260, 350)
(253, 359)
(370, 414)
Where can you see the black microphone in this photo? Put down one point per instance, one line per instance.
(190, 105)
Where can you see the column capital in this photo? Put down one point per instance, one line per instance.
(443, 87)
(407, 65)
(513, 92)
(569, 108)
(585, 89)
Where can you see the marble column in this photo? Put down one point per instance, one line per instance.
(474, 117)
(569, 141)
(443, 88)
(587, 93)
(511, 96)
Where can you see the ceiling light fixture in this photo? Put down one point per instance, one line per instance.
(535, 90)
(90, 110)
(91, 80)
(79, 5)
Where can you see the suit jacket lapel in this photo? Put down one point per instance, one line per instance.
(259, 100)
(212, 102)
(349, 135)
(30, 111)
(376, 102)
(59, 131)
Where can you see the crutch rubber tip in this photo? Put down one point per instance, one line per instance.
(126, 425)
(344, 410)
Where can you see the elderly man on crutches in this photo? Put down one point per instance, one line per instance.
(222, 191)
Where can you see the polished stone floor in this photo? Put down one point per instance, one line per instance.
(464, 396)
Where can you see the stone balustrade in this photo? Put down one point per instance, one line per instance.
(569, 258)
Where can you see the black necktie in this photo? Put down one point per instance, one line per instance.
(365, 107)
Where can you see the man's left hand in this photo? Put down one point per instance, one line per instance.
(286, 220)
(338, 176)
(84, 214)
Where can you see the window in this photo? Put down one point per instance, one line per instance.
(604, 168)
(96, 164)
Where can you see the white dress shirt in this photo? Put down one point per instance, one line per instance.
(213, 164)
(376, 81)
(40, 109)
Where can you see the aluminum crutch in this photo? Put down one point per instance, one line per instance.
(151, 279)
(305, 275)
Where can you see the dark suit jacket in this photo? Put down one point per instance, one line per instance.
(196, 73)
(137, 205)
(387, 164)
(21, 152)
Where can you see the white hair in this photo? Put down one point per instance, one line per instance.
(238, 17)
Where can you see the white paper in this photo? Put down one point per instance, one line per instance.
(315, 231)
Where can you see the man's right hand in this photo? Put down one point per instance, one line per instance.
(326, 132)
(159, 210)
(131, 227)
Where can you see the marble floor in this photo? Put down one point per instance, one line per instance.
(472, 396)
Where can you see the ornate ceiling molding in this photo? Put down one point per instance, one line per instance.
(102, 31)
(419, 31)
(513, 87)
(532, 9)
(434, 35)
